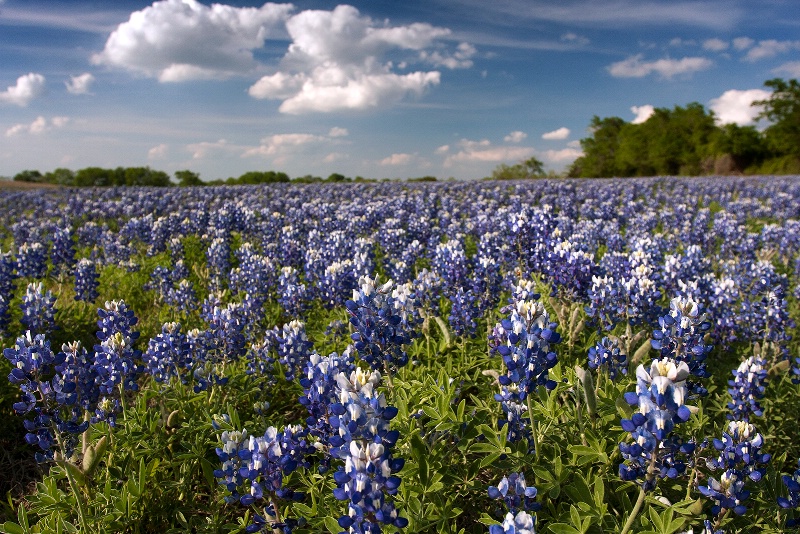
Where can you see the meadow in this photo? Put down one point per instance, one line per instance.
(564, 356)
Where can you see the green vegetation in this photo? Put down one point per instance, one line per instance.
(687, 141)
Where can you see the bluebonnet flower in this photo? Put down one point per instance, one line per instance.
(7, 266)
(427, 285)
(293, 347)
(87, 280)
(182, 296)
(792, 500)
(224, 340)
(160, 281)
(38, 309)
(259, 357)
(606, 302)
(117, 318)
(746, 389)
(168, 354)
(264, 462)
(321, 391)
(521, 523)
(218, 257)
(117, 372)
(740, 458)
(515, 493)
(463, 312)
(62, 254)
(681, 336)
(336, 282)
(32, 260)
(606, 355)
(50, 400)
(655, 451)
(363, 439)
(450, 261)
(380, 333)
(292, 294)
(524, 341)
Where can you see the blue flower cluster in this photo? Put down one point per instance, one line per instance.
(792, 500)
(746, 389)
(740, 459)
(463, 312)
(48, 396)
(515, 493)
(681, 336)
(87, 280)
(294, 347)
(168, 354)
(381, 324)
(607, 356)
(656, 452)
(38, 309)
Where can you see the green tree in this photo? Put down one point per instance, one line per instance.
(33, 176)
(60, 176)
(743, 145)
(782, 108)
(187, 178)
(530, 168)
(599, 150)
(94, 176)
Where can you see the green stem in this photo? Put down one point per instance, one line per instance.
(75, 490)
(636, 509)
(533, 426)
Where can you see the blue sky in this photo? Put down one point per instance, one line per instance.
(380, 89)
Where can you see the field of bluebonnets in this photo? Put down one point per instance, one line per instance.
(564, 356)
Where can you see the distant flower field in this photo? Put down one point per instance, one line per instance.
(507, 357)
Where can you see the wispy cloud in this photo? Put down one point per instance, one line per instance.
(636, 67)
(791, 69)
(484, 151)
(397, 159)
(515, 137)
(715, 45)
(770, 48)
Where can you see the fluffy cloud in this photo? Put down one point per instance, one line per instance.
(564, 155)
(444, 149)
(484, 151)
(397, 159)
(38, 126)
(742, 43)
(158, 151)
(792, 69)
(771, 48)
(735, 106)
(715, 45)
(338, 132)
(336, 61)
(179, 40)
(79, 85)
(28, 87)
(515, 137)
(642, 113)
(634, 67)
(282, 144)
(215, 149)
(561, 133)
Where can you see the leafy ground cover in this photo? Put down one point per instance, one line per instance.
(558, 356)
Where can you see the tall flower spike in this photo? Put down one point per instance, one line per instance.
(746, 389)
(655, 451)
(38, 309)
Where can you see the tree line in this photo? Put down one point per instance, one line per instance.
(687, 141)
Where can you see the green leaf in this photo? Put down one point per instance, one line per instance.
(562, 528)
(332, 525)
(11, 528)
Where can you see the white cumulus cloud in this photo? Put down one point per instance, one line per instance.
(28, 87)
(179, 40)
(79, 85)
(213, 149)
(636, 67)
(337, 61)
(791, 68)
(715, 45)
(742, 43)
(158, 151)
(515, 137)
(484, 151)
(562, 156)
(338, 132)
(735, 106)
(397, 159)
(561, 133)
(770, 48)
(38, 126)
(642, 113)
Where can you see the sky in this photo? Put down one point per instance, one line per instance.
(372, 88)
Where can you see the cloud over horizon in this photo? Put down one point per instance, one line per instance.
(736, 107)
